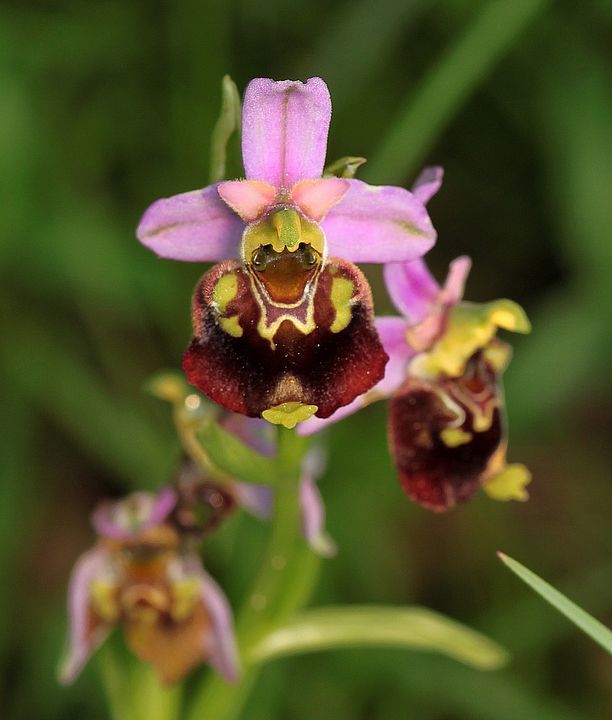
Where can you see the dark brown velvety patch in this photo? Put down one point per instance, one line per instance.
(432, 472)
(323, 368)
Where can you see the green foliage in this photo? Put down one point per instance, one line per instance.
(109, 105)
(234, 457)
(587, 623)
(409, 628)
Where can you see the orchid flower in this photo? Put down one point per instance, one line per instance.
(283, 327)
(172, 612)
(447, 426)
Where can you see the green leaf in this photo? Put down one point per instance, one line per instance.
(412, 628)
(462, 67)
(587, 623)
(228, 123)
(232, 456)
(345, 167)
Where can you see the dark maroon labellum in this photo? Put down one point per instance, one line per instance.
(250, 353)
(444, 434)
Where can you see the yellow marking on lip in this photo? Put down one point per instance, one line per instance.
(225, 291)
(341, 293)
(454, 437)
(231, 326)
(185, 594)
(289, 414)
(104, 600)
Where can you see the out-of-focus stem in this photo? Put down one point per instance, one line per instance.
(282, 585)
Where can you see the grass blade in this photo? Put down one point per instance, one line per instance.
(587, 623)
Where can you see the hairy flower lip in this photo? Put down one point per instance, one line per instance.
(325, 359)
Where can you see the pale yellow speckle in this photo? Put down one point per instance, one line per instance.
(193, 401)
(289, 414)
(509, 484)
(341, 294)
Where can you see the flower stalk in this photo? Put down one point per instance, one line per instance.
(281, 587)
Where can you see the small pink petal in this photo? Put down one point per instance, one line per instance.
(147, 510)
(316, 424)
(258, 434)
(221, 643)
(378, 224)
(392, 333)
(255, 499)
(313, 518)
(428, 183)
(248, 198)
(412, 289)
(315, 198)
(454, 285)
(194, 226)
(284, 130)
(83, 638)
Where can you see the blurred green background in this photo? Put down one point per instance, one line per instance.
(108, 105)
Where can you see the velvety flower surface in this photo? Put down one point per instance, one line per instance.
(288, 290)
(173, 614)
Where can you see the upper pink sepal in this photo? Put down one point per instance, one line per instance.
(248, 198)
(316, 198)
(195, 226)
(378, 224)
(428, 183)
(454, 285)
(284, 130)
(222, 649)
(85, 634)
(412, 289)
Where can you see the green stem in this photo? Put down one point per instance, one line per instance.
(282, 585)
(133, 690)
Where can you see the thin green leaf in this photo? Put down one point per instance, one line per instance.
(228, 123)
(232, 456)
(412, 628)
(462, 67)
(587, 623)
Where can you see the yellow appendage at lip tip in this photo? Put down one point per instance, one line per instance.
(289, 414)
(509, 483)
